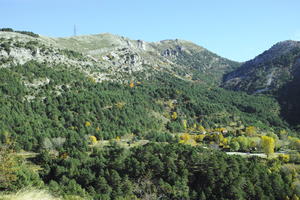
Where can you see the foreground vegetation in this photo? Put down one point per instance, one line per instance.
(165, 171)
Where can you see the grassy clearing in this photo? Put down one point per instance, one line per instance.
(30, 194)
(35, 194)
(123, 143)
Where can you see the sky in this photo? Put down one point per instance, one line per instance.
(235, 29)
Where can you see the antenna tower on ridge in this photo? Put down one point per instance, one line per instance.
(75, 31)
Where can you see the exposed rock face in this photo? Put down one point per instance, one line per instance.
(22, 49)
(172, 52)
(127, 60)
(141, 44)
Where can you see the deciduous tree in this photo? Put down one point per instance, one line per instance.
(268, 145)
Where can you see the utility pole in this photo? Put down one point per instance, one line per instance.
(75, 30)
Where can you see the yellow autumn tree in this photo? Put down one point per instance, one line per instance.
(250, 130)
(218, 138)
(283, 134)
(224, 142)
(184, 123)
(201, 129)
(268, 145)
(199, 138)
(87, 124)
(174, 115)
(93, 139)
(131, 84)
(170, 104)
(294, 143)
(194, 127)
(284, 158)
(185, 137)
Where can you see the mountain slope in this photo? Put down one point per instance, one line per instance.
(267, 72)
(201, 64)
(276, 72)
(123, 59)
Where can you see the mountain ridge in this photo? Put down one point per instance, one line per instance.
(266, 72)
(125, 56)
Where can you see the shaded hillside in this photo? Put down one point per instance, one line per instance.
(268, 71)
(289, 98)
(276, 72)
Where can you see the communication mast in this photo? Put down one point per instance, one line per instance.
(75, 31)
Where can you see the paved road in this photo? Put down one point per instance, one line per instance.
(262, 155)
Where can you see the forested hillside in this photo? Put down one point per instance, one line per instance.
(64, 103)
(114, 123)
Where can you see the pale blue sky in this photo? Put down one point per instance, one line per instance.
(235, 29)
